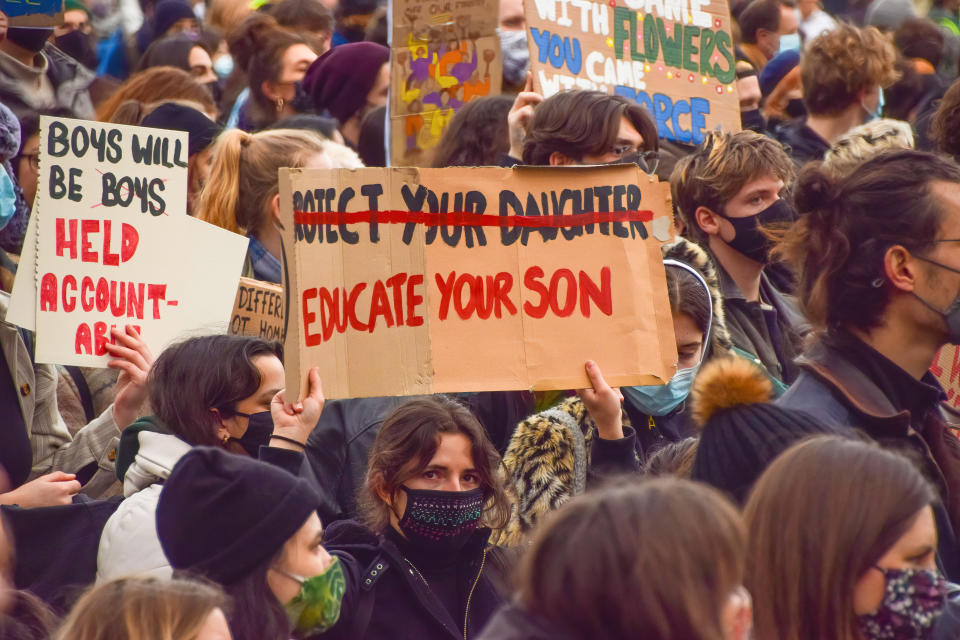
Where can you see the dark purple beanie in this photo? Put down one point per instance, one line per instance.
(339, 80)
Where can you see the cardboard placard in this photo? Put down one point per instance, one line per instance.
(112, 244)
(32, 13)
(444, 53)
(946, 367)
(675, 57)
(258, 310)
(514, 279)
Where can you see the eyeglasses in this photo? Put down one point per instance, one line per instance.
(648, 161)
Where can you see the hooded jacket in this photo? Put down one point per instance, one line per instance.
(129, 543)
(555, 454)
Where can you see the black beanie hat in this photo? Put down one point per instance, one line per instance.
(223, 515)
(167, 13)
(742, 432)
(201, 130)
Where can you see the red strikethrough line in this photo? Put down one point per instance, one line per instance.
(467, 219)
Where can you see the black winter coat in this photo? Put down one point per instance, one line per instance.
(386, 599)
(339, 446)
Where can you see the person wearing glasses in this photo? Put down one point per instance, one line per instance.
(580, 128)
(877, 257)
(726, 193)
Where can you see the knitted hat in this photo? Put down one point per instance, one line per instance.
(167, 13)
(201, 130)
(75, 5)
(742, 432)
(223, 515)
(777, 69)
(890, 14)
(339, 80)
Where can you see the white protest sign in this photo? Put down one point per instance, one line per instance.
(115, 247)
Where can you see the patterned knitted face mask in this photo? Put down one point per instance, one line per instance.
(912, 602)
(441, 520)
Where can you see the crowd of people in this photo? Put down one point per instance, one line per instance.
(798, 478)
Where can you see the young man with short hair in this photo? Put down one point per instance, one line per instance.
(580, 127)
(844, 73)
(725, 191)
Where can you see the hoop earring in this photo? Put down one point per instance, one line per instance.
(279, 105)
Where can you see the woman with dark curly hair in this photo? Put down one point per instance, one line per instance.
(478, 135)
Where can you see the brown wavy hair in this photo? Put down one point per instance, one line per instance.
(819, 517)
(407, 442)
(719, 168)
(157, 84)
(838, 66)
(945, 126)
(656, 559)
(848, 222)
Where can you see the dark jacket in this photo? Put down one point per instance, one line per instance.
(772, 332)
(71, 86)
(513, 623)
(339, 446)
(802, 143)
(835, 389)
(386, 599)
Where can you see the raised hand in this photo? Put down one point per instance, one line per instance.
(603, 403)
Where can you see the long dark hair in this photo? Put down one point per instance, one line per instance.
(208, 372)
(477, 136)
(255, 612)
(655, 559)
(819, 517)
(407, 442)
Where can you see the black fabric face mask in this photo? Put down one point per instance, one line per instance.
(259, 429)
(78, 46)
(750, 240)
(753, 120)
(215, 90)
(30, 38)
(302, 101)
(796, 108)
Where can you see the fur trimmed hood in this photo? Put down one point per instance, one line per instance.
(689, 253)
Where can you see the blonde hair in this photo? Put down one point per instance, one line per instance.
(243, 178)
(342, 156)
(864, 142)
(142, 608)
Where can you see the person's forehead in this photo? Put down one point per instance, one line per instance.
(767, 181)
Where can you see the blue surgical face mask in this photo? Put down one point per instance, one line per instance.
(223, 66)
(790, 42)
(659, 400)
(8, 198)
(878, 113)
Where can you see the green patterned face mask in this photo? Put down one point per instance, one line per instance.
(317, 607)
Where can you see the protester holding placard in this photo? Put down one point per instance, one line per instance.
(37, 443)
(584, 127)
(725, 192)
(241, 191)
(210, 391)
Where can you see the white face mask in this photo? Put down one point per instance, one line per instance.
(516, 56)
